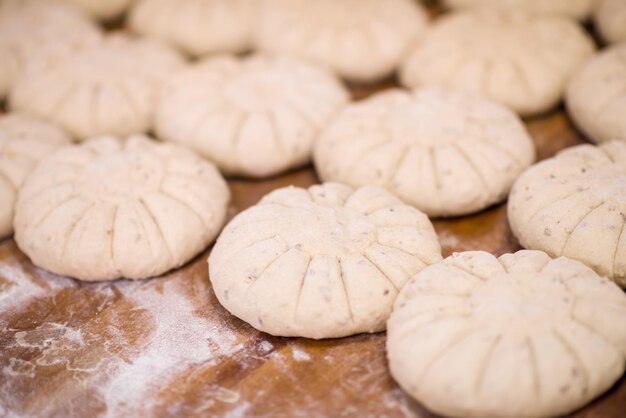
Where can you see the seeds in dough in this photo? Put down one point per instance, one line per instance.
(521, 335)
(446, 152)
(519, 60)
(103, 10)
(361, 40)
(110, 88)
(320, 263)
(112, 208)
(577, 9)
(596, 95)
(198, 27)
(24, 140)
(575, 205)
(610, 20)
(255, 116)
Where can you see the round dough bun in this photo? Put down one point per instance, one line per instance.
(596, 95)
(112, 208)
(24, 140)
(519, 60)
(521, 335)
(575, 205)
(610, 20)
(255, 116)
(109, 88)
(320, 263)
(35, 33)
(198, 27)
(577, 9)
(102, 9)
(446, 152)
(361, 40)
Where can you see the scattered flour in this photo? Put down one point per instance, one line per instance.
(299, 355)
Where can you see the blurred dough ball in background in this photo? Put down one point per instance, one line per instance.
(577, 9)
(610, 20)
(102, 9)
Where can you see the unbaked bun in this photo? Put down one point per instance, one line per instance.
(610, 20)
(577, 9)
(102, 9)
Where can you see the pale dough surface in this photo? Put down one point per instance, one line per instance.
(520, 60)
(111, 208)
(610, 20)
(254, 116)
(102, 9)
(325, 262)
(575, 205)
(522, 335)
(446, 152)
(577, 9)
(361, 40)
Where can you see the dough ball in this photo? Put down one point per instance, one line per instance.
(320, 263)
(109, 88)
(36, 33)
(112, 208)
(198, 27)
(596, 95)
(610, 20)
(516, 59)
(255, 116)
(102, 9)
(446, 152)
(577, 9)
(575, 205)
(361, 40)
(521, 335)
(24, 140)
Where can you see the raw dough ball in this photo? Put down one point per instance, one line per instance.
(447, 153)
(596, 95)
(610, 19)
(255, 116)
(518, 60)
(102, 9)
(362, 40)
(24, 140)
(575, 205)
(109, 88)
(198, 27)
(577, 9)
(112, 208)
(320, 263)
(517, 336)
(35, 33)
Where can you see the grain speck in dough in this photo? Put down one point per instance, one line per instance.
(320, 263)
(446, 152)
(610, 20)
(112, 208)
(575, 205)
(361, 40)
(254, 116)
(24, 140)
(522, 335)
(517, 59)
(110, 88)
(596, 95)
(577, 9)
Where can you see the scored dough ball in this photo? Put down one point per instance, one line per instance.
(577, 9)
(24, 140)
(610, 20)
(255, 116)
(361, 40)
(109, 88)
(521, 335)
(102, 9)
(575, 205)
(446, 152)
(516, 59)
(198, 27)
(112, 208)
(320, 263)
(596, 95)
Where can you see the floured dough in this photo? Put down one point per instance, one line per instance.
(362, 40)
(24, 140)
(446, 152)
(596, 95)
(198, 27)
(35, 33)
(112, 208)
(516, 59)
(255, 116)
(575, 205)
(109, 88)
(102, 9)
(577, 9)
(320, 263)
(520, 336)
(610, 20)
